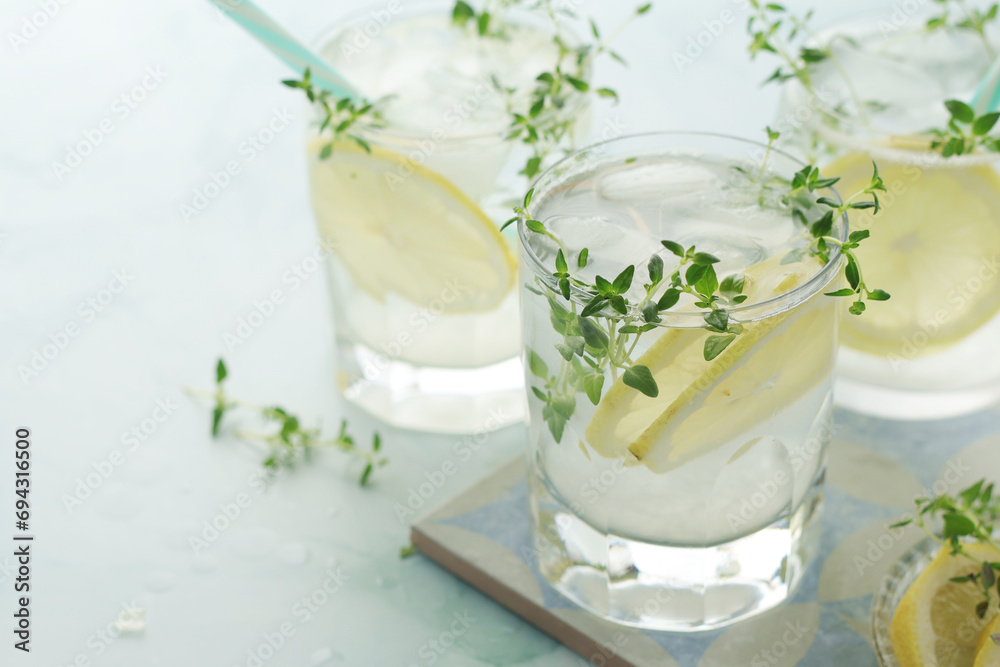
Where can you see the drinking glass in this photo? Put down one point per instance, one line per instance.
(421, 281)
(691, 505)
(928, 352)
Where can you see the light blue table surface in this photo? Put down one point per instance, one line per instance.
(115, 218)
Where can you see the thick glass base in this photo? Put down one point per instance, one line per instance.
(660, 587)
(425, 398)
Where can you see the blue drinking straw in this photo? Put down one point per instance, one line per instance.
(285, 46)
(987, 96)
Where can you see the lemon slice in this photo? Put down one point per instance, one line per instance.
(702, 404)
(987, 650)
(935, 622)
(935, 246)
(400, 228)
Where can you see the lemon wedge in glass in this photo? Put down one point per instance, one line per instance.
(702, 405)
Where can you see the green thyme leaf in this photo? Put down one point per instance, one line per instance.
(673, 247)
(624, 280)
(878, 295)
(714, 345)
(960, 111)
(537, 365)
(593, 385)
(655, 268)
(669, 299)
(640, 378)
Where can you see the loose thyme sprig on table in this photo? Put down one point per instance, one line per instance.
(287, 440)
(600, 324)
(971, 516)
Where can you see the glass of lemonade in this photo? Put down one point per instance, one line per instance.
(421, 281)
(930, 351)
(691, 505)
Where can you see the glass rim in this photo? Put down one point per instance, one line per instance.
(411, 9)
(757, 310)
(874, 142)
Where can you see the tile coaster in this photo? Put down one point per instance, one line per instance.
(875, 469)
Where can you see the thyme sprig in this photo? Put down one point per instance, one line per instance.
(287, 441)
(966, 18)
(544, 122)
(965, 132)
(489, 22)
(340, 115)
(972, 516)
(602, 336)
(601, 321)
(773, 29)
(803, 186)
(558, 93)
